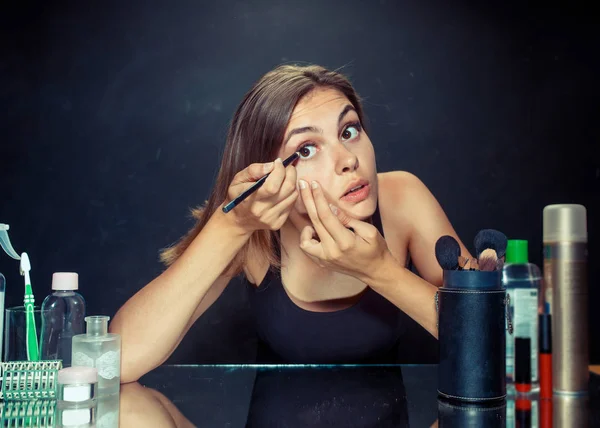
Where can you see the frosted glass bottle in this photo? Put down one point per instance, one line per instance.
(108, 412)
(101, 349)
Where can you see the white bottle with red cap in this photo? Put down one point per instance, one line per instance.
(63, 314)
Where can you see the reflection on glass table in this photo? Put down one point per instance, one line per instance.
(50, 413)
(305, 396)
(330, 395)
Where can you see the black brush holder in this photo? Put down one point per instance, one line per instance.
(471, 415)
(472, 314)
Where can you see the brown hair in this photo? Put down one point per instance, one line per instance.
(255, 136)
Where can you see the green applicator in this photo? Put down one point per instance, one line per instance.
(28, 301)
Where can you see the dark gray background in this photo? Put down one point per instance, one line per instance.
(114, 117)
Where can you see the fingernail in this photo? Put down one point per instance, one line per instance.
(267, 167)
(333, 209)
(302, 184)
(278, 160)
(314, 185)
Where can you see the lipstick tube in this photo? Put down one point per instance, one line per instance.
(545, 360)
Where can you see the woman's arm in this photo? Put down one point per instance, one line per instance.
(413, 295)
(156, 318)
(424, 219)
(146, 407)
(342, 243)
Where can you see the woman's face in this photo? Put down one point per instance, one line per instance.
(334, 150)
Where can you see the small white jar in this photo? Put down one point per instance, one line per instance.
(77, 392)
(77, 385)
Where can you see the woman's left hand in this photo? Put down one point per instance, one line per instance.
(330, 243)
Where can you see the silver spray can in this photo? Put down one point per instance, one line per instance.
(566, 285)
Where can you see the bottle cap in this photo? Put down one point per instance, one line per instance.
(523, 364)
(565, 222)
(517, 251)
(65, 281)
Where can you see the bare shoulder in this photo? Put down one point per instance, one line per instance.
(411, 206)
(396, 184)
(408, 201)
(396, 190)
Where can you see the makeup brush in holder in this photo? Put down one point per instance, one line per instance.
(472, 313)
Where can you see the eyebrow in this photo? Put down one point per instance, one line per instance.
(348, 108)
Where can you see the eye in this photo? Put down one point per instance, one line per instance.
(306, 152)
(351, 131)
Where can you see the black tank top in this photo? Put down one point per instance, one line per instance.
(366, 332)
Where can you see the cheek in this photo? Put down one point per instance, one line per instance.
(367, 154)
(316, 170)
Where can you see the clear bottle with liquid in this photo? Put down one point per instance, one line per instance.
(523, 282)
(63, 314)
(100, 349)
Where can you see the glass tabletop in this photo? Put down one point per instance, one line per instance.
(330, 395)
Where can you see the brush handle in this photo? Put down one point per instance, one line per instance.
(30, 329)
(238, 200)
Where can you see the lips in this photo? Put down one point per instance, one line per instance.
(355, 185)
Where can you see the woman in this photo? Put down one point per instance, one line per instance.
(325, 285)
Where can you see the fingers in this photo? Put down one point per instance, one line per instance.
(342, 236)
(311, 246)
(361, 229)
(274, 180)
(289, 183)
(253, 172)
(330, 229)
(285, 205)
(307, 236)
(270, 204)
(341, 215)
(281, 209)
(311, 209)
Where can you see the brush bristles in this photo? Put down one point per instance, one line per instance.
(488, 260)
(447, 251)
(474, 264)
(490, 238)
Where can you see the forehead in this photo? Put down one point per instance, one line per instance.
(318, 104)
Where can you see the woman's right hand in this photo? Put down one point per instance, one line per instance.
(269, 206)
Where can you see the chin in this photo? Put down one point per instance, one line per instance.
(362, 210)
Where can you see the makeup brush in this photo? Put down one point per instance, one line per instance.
(462, 262)
(474, 264)
(447, 251)
(488, 260)
(490, 238)
(239, 199)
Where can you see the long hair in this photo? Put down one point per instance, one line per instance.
(255, 135)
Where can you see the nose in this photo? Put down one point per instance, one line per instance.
(347, 161)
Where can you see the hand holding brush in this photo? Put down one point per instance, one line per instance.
(241, 197)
